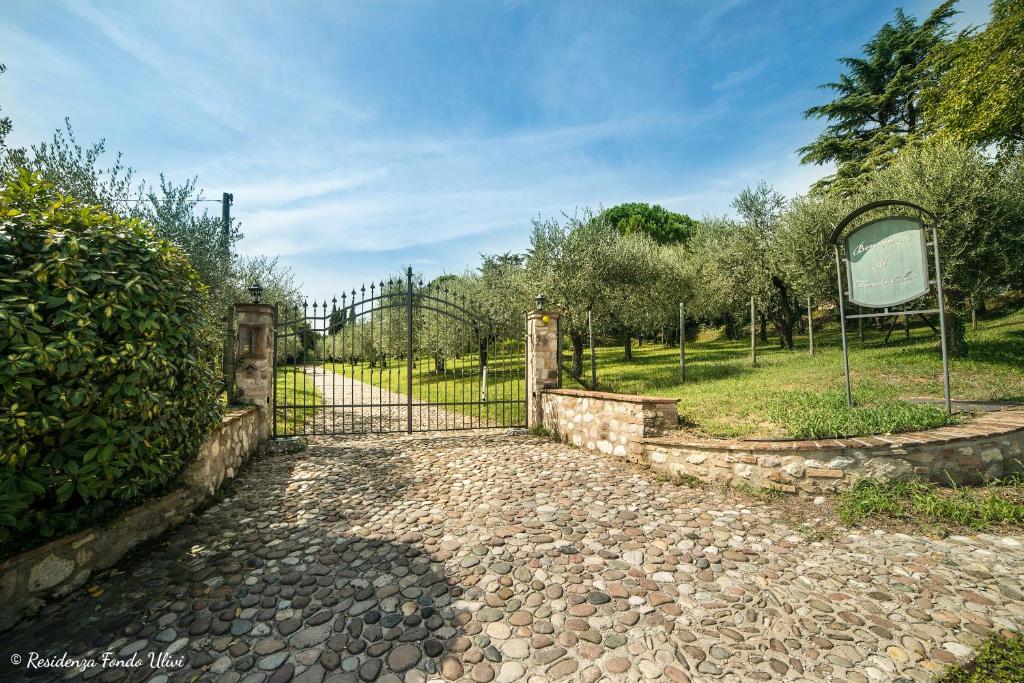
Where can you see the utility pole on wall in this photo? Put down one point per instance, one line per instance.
(682, 343)
(810, 327)
(753, 334)
(229, 346)
(226, 200)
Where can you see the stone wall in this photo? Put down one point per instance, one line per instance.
(991, 445)
(29, 580)
(614, 424)
(227, 448)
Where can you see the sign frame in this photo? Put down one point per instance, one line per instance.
(924, 261)
(930, 279)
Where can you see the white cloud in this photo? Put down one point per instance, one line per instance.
(734, 79)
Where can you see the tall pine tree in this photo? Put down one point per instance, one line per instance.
(878, 106)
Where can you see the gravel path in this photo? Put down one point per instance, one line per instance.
(381, 410)
(479, 557)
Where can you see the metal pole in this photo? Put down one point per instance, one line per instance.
(273, 379)
(226, 200)
(682, 343)
(408, 348)
(753, 334)
(593, 359)
(842, 327)
(229, 354)
(810, 327)
(942, 318)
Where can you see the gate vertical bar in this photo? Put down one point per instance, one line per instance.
(273, 381)
(408, 348)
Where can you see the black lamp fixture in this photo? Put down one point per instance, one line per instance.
(540, 302)
(256, 292)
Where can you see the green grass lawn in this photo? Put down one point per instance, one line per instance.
(294, 388)
(460, 383)
(1000, 659)
(999, 503)
(791, 394)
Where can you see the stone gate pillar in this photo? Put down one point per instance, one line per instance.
(254, 359)
(541, 360)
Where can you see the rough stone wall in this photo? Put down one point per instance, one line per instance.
(986, 447)
(227, 448)
(614, 424)
(29, 580)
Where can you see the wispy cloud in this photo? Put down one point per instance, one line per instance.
(358, 137)
(735, 79)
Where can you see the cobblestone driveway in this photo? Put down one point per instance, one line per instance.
(489, 557)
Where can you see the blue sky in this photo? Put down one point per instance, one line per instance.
(359, 138)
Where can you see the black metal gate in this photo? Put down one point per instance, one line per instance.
(397, 357)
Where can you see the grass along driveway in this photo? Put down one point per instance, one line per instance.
(295, 389)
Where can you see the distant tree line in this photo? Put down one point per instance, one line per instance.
(923, 115)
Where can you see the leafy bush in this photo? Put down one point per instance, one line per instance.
(106, 387)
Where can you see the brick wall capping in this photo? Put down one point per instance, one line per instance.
(993, 424)
(606, 396)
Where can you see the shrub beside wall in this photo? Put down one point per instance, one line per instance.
(107, 387)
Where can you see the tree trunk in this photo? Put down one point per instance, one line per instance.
(438, 363)
(763, 324)
(627, 345)
(732, 331)
(785, 331)
(956, 330)
(577, 341)
(786, 319)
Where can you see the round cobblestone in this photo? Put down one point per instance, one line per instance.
(496, 557)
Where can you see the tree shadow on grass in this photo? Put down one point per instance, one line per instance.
(286, 573)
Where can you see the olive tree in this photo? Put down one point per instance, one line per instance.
(977, 205)
(577, 264)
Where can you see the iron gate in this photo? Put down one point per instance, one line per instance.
(396, 357)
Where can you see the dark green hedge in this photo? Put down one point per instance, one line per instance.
(106, 382)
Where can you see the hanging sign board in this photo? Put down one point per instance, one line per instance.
(887, 265)
(887, 262)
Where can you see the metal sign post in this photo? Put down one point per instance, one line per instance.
(887, 265)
